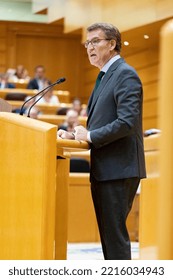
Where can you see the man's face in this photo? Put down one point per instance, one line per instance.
(39, 73)
(102, 51)
(77, 106)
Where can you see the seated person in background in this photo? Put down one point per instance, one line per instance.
(39, 78)
(71, 121)
(34, 111)
(49, 98)
(77, 106)
(4, 83)
(21, 73)
(151, 131)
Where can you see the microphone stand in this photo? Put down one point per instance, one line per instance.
(57, 82)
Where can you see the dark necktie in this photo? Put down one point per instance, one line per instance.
(98, 80)
(99, 77)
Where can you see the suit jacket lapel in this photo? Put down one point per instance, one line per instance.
(93, 100)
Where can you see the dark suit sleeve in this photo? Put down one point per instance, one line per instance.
(128, 99)
(32, 84)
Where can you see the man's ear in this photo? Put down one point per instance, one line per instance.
(113, 44)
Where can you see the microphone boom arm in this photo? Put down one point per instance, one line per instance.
(61, 80)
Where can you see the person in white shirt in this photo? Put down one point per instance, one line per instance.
(49, 98)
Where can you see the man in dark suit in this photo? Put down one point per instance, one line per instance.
(39, 78)
(114, 131)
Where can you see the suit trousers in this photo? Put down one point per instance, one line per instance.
(112, 202)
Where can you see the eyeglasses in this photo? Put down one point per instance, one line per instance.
(94, 42)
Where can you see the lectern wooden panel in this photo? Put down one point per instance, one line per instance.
(27, 187)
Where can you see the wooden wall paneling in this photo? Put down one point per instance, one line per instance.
(148, 74)
(11, 49)
(2, 58)
(151, 122)
(2, 44)
(81, 75)
(146, 64)
(31, 44)
(143, 58)
(64, 55)
(54, 54)
(3, 47)
(2, 29)
(91, 75)
(150, 108)
(150, 91)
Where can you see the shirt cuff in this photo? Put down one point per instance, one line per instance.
(89, 137)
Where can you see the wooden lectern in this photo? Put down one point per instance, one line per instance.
(34, 169)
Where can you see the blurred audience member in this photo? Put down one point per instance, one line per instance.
(4, 82)
(49, 98)
(20, 73)
(71, 121)
(39, 78)
(151, 131)
(77, 106)
(34, 111)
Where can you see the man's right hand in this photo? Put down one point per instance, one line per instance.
(63, 134)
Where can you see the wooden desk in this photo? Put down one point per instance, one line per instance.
(64, 96)
(19, 83)
(49, 109)
(59, 119)
(44, 108)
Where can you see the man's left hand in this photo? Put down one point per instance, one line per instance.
(80, 133)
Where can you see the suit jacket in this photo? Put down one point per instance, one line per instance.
(33, 84)
(115, 125)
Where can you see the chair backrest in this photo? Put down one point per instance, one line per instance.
(15, 96)
(62, 111)
(79, 165)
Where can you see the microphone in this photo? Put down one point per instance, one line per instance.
(45, 90)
